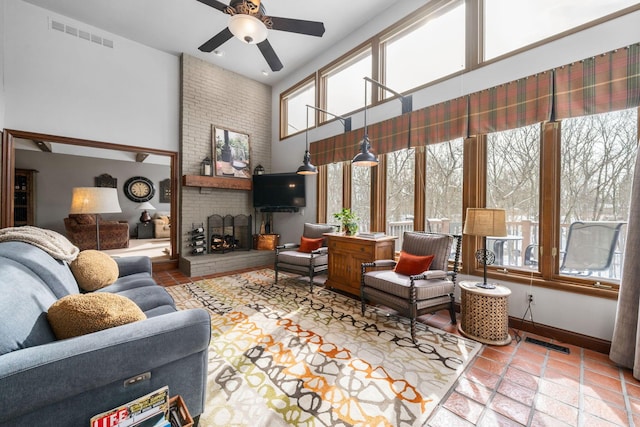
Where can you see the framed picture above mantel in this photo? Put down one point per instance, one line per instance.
(231, 151)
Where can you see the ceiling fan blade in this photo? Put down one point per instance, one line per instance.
(215, 4)
(270, 55)
(216, 40)
(310, 28)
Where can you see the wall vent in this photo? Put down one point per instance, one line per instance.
(82, 34)
(57, 26)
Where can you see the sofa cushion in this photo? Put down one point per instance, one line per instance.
(82, 314)
(94, 270)
(23, 303)
(54, 273)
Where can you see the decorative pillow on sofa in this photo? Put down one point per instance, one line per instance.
(82, 314)
(309, 245)
(94, 270)
(410, 265)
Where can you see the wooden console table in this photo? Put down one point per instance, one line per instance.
(346, 255)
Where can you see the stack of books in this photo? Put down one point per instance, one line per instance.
(372, 235)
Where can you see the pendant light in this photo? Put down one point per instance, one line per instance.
(365, 157)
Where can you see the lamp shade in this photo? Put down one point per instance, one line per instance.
(485, 222)
(94, 200)
(247, 28)
(146, 206)
(365, 157)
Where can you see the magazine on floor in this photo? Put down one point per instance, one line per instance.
(147, 411)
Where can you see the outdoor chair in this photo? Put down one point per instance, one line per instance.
(309, 257)
(591, 246)
(412, 285)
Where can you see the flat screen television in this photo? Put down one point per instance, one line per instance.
(279, 191)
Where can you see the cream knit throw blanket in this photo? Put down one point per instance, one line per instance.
(53, 243)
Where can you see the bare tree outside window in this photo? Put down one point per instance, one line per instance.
(443, 187)
(334, 193)
(598, 162)
(400, 193)
(361, 196)
(513, 184)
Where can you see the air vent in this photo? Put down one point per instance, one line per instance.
(71, 30)
(82, 34)
(57, 26)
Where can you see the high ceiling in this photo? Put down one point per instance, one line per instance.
(177, 26)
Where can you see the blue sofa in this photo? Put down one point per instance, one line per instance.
(44, 381)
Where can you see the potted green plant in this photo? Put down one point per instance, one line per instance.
(349, 221)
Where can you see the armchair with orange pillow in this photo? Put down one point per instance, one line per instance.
(161, 225)
(307, 258)
(421, 281)
(81, 231)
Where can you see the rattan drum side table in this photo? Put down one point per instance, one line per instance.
(484, 314)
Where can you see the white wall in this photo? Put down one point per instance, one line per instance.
(64, 85)
(578, 313)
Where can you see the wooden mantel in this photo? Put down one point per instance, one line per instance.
(217, 182)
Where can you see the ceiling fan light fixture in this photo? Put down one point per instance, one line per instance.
(247, 28)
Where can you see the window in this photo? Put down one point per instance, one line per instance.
(505, 30)
(400, 193)
(443, 187)
(361, 195)
(294, 107)
(598, 160)
(334, 195)
(409, 55)
(513, 184)
(344, 85)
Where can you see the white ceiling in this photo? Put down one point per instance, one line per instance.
(177, 26)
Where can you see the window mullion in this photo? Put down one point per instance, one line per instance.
(549, 199)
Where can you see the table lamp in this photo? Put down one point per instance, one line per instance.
(95, 200)
(146, 206)
(485, 222)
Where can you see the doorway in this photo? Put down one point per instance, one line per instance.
(8, 157)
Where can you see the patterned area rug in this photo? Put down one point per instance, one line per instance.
(282, 356)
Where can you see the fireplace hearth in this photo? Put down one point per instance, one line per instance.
(229, 233)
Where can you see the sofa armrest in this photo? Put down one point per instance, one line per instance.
(64, 369)
(133, 264)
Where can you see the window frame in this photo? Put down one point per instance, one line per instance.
(292, 91)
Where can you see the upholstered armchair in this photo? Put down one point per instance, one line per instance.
(309, 257)
(81, 231)
(161, 226)
(419, 282)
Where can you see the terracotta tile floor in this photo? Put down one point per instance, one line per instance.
(526, 384)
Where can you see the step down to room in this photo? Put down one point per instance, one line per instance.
(555, 347)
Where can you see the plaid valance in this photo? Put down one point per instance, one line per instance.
(439, 123)
(334, 149)
(600, 84)
(604, 83)
(512, 105)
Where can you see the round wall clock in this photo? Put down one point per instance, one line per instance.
(139, 189)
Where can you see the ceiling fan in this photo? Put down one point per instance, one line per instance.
(249, 23)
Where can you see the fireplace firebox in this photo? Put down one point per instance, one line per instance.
(229, 233)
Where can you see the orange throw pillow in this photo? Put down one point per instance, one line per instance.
(309, 245)
(410, 265)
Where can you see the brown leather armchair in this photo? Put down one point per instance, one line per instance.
(81, 231)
